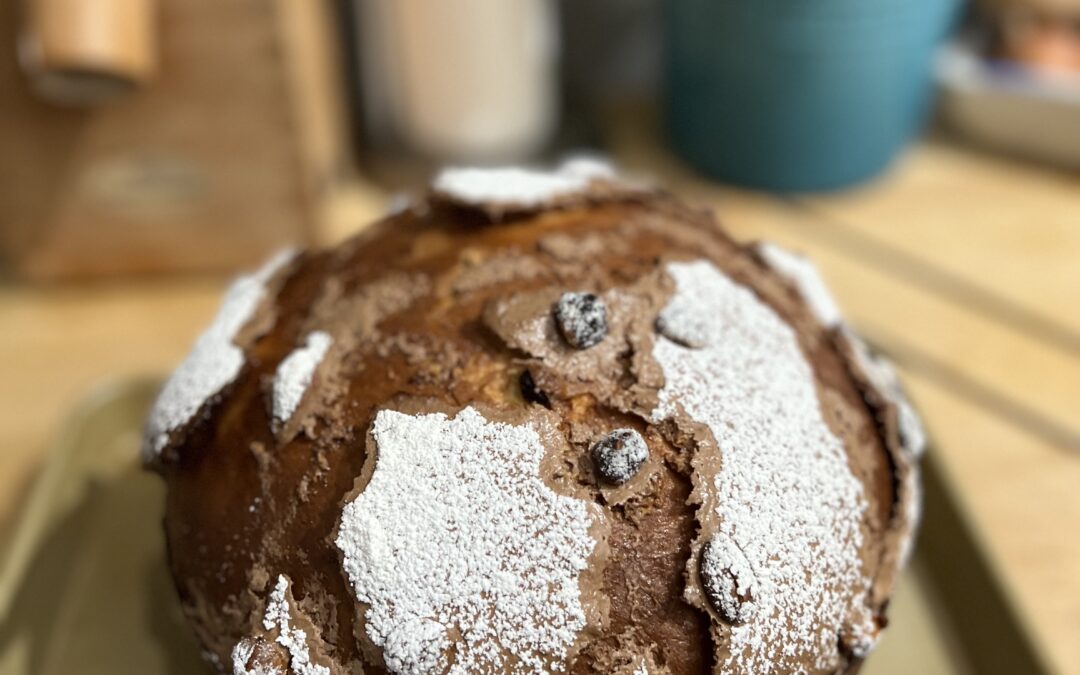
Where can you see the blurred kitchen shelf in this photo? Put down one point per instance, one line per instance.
(175, 175)
(84, 586)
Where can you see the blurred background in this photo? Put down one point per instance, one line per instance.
(925, 153)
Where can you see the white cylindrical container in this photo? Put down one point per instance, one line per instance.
(465, 81)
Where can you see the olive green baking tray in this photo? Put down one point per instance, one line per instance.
(84, 587)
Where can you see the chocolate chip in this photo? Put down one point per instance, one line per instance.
(582, 319)
(728, 580)
(619, 455)
(530, 392)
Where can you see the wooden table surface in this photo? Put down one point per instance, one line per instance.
(962, 267)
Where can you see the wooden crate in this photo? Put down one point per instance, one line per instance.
(224, 155)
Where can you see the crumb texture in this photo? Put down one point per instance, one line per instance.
(787, 504)
(467, 561)
(214, 361)
(694, 467)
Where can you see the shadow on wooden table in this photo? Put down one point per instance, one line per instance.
(991, 636)
(97, 596)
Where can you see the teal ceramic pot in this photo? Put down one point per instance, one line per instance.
(799, 95)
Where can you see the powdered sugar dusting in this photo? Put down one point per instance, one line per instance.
(241, 654)
(457, 542)
(805, 276)
(862, 635)
(242, 662)
(278, 618)
(729, 579)
(518, 187)
(681, 322)
(295, 372)
(785, 496)
(214, 361)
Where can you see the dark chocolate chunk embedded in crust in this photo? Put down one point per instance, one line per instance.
(619, 455)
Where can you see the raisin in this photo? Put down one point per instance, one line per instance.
(619, 455)
(582, 319)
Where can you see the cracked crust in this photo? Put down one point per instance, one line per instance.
(440, 305)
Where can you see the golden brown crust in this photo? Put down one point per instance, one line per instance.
(427, 304)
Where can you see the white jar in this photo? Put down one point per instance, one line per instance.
(463, 81)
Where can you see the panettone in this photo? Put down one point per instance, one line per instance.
(536, 422)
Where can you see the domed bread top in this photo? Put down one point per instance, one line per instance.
(406, 471)
(214, 361)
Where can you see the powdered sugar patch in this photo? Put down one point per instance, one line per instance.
(295, 372)
(785, 495)
(456, 534)
(519, 187)
(804, 275)
(292, 639)
(214, 361)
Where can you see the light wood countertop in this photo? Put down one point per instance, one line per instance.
(962, 267)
